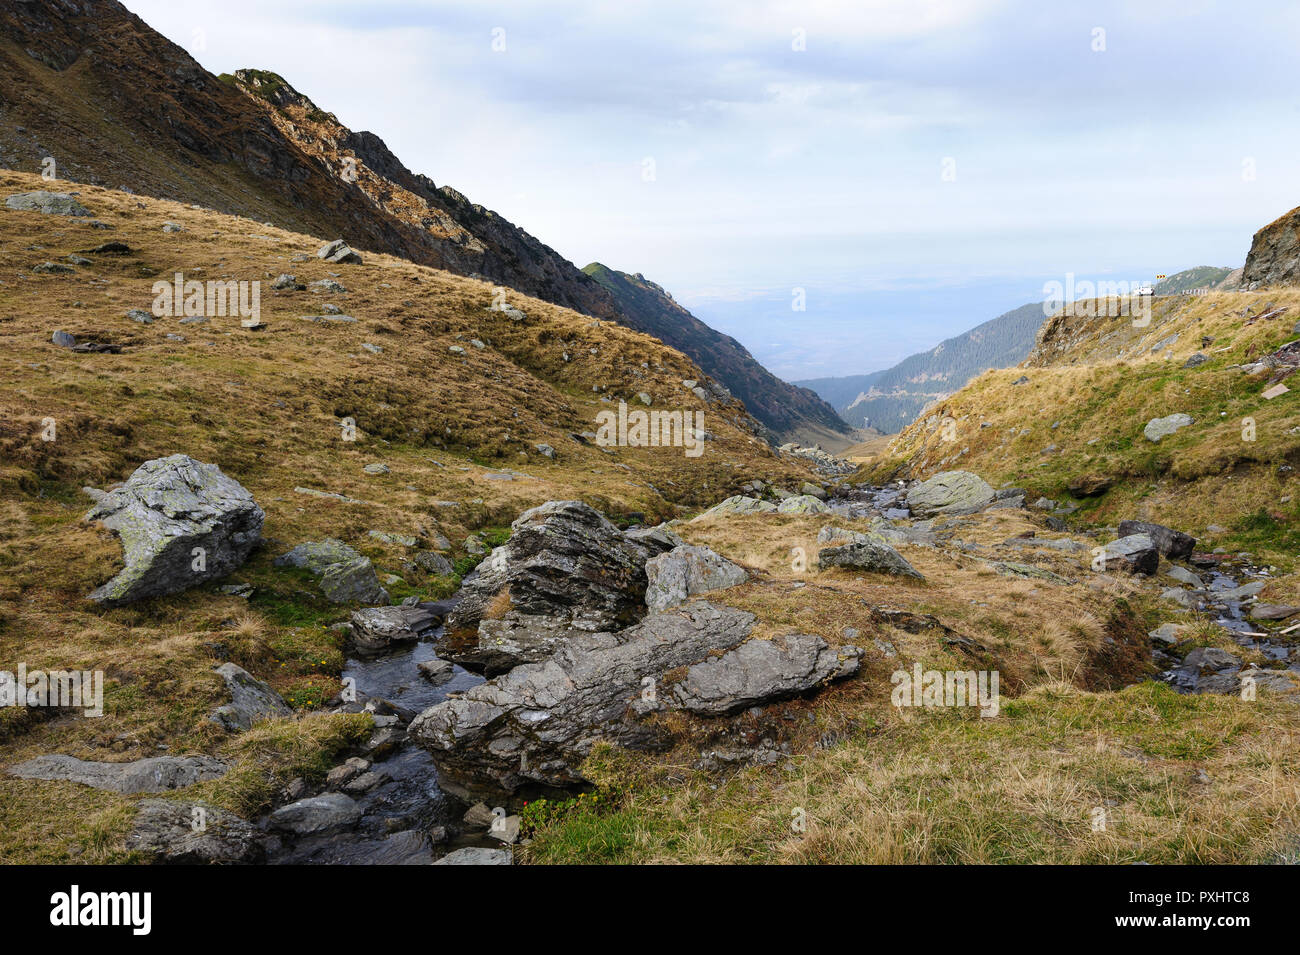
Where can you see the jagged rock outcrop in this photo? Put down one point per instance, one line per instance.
(759, 671)
(1171, 543)
(1274, 257)
(673, 578)
(181, 522)
(868, 554)
(49, 203)
(564, 561)
(536, 724)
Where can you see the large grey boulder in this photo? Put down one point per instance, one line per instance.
(739, 504)
(950, 493)
(675, 577)
(1135, 554)
(315, 815)
(1158, 428)
(50, 203)
(759, 671)
(1171, 543)
(802, 504)
(537, 723)
(252, 701)
(153, 775)
(353, 581)
(379, 628)
(168, 831)
(867, 554)
(338, 251)
(563, 560)
(181, 522)
(317, 556)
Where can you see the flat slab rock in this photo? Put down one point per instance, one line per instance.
(867, 553)
(153, 775)
(378, 628)
(759, 671)
(476, 856)
(186, 833)
(315, 815)
(166, 509)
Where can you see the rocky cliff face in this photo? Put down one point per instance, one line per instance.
(1274, 257)
(792, 412)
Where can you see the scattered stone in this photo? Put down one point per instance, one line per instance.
(376, 467)
(1158, 428)
(437, 670)
(170, 512)
(1273, 611)
(315, 815)
(476, 856)
(380, 628)
(173, 227)
(1136, 554)
(1167, 633)
(316, 556)
(739, 504)
(53, 268)
(868, 554)
(802, 504)
(1184, 576)
(284, 282)
(63, 339)
(338, 251)
(49, 203)
(141, 316)
(545, 450)
(1196, 360)
(346, 771)
(1090, 485)
(432, 562)
(252, 700)
(164, 830)
(353, 581)
(1171, 543)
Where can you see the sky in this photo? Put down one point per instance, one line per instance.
(905, 169)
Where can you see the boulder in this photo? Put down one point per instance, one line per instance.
(252, 701)
(867, 554)
(950, 493)
(675, 577)
(187, 833)
(181, 522)
(1171, 543)
(353, 581)
(654, 540)
(759, 671)
(536, 724)
(802, 504)
(431, 562)
(338, 251)
(153, 775)
(501, 645)
(331, 812)
(1158, 428)
(739, 504)
(813, 490)
(1273, 611)
(1184, 576)
(563, 560)
(1090, 485)
(380, 628)
(50, 203)
(1135, 554)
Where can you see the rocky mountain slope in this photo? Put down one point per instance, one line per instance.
(794, 413)
(1274, 257)
(91, 88)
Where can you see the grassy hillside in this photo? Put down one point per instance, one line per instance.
(1094, 383)
(457, 430)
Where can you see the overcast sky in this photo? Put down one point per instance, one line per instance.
(916, 166)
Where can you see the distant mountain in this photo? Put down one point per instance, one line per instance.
(793, 413)
(114, 103)
(889, 400)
